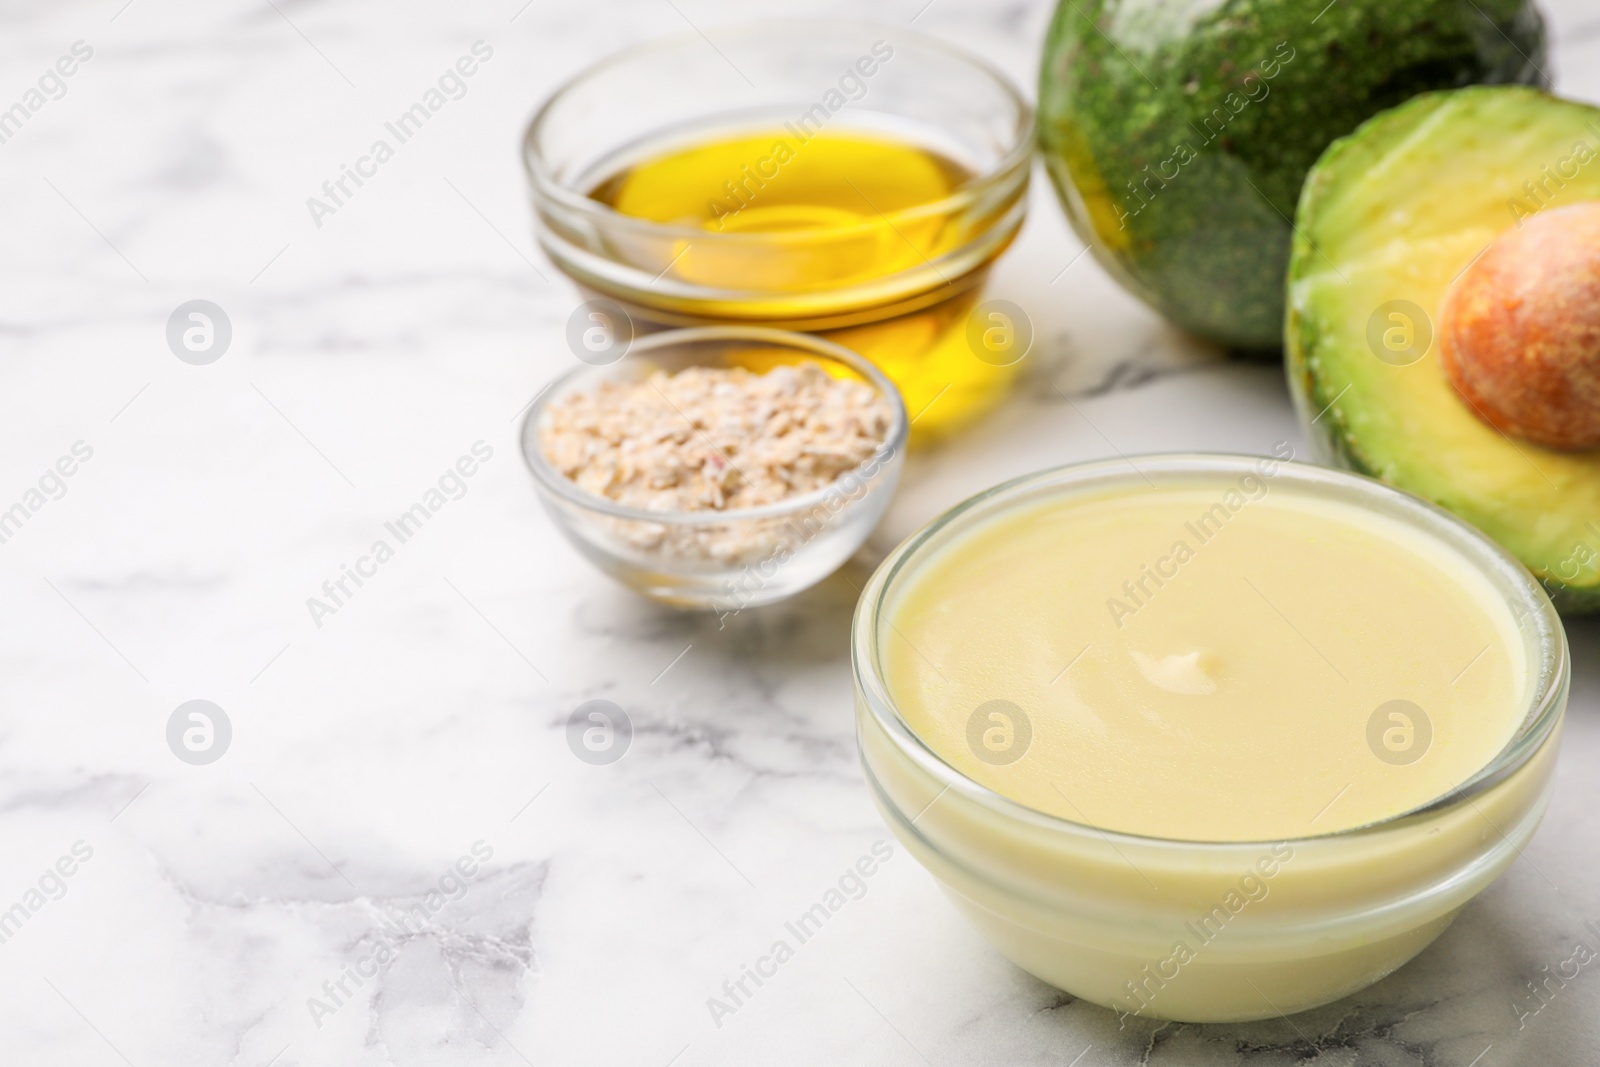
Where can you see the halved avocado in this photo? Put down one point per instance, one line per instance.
(1388, 218)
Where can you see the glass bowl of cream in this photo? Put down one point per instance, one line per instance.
(718, 468)
(1207, 738)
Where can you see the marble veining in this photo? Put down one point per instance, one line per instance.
(304, 899)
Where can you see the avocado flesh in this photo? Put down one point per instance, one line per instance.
(1396, 211)
(1178, 132)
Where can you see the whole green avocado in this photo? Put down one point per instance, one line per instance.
(1178, 132)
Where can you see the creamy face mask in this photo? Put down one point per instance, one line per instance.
(1232, 661)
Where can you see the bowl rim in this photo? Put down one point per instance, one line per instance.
(554, 482)
(1547, 687)
(545, 184)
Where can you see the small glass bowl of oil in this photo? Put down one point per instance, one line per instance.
(722, 561)
(847, 180)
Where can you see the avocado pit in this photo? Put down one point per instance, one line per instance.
(1519, 331)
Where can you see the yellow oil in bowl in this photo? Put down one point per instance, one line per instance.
(788, 214)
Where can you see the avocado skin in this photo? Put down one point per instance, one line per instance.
(1215, 124)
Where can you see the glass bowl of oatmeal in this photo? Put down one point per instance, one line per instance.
(718, 468)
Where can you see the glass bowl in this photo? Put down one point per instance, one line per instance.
(1098, 913)
(901, 287)
(722, 561)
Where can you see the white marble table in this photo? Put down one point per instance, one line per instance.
(418, 732)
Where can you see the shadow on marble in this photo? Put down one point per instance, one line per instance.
(1583, 637)
(811, 628)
